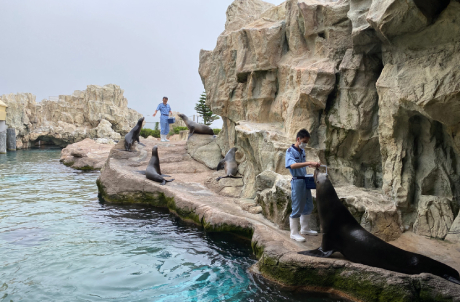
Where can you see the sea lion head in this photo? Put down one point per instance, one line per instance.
(155, 151)
(320, 178)
(182, 116)
(140, 121)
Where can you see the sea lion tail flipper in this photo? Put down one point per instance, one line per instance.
(169, 180)
(452, 279)
(163, 182)
(164, 175)
(141, 144)
(317, 253)
(141, 172)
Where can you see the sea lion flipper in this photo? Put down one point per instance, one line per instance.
(163, 182)
(317, 253)
(164, 175)
(191, 131)
(141, 144)
(141, 172)
(452, 279)
(169, 180)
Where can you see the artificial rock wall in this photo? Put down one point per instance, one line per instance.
(97, 112)
(377, 84)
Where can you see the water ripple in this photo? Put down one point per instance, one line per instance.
(58, 243)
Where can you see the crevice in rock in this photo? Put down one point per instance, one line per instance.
(431, 8)
(285, 44)
(242, 77)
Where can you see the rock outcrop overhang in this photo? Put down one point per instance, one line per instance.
(189, 197)
(97, 112)
(377, 83)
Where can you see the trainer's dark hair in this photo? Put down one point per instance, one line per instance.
(303, 134)
(165, 97)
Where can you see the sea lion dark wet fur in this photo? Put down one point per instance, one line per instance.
(153, 171)
(229, 164)
(133, 135)
(342, 233)
(195, 127)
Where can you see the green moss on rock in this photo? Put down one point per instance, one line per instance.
(361, 285)
(159, 199)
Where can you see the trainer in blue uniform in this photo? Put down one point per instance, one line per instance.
(165, 111)
(302, 202)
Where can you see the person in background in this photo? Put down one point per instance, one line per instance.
(165, 111)
(302, 202)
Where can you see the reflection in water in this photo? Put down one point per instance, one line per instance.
(58, 243)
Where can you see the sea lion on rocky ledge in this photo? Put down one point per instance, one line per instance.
(133, 135)
(195, 127)
(153, 171)
(229, 164)
(342, 233)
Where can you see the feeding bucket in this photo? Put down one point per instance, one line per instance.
(171, 120)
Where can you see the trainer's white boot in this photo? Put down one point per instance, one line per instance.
(304, 228)
(163, 139)
(294, 226)
(166, 138)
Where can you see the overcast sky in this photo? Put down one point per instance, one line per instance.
(148, 48)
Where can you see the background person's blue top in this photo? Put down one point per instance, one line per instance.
(164, 109)
(294, 156)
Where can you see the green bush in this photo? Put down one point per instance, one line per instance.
(146, 132)
(216, 131)
(179, 129)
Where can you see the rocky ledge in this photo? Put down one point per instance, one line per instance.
(195, 197)
(87, 154)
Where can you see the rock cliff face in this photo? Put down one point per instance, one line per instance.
(97, 112)
(377, 84)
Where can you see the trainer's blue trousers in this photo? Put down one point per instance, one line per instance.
(302, 201)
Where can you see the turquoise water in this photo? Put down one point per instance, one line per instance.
(59, 243)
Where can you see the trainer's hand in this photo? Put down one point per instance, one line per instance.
(154, 114)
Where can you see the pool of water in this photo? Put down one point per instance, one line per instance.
(59, 243)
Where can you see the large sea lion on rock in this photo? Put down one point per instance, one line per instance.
(133, 135)
(153, 171)
(195, 127)
(342, 233)
(229, 164)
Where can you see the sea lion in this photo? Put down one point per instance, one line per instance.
(229, 164)
(195, 127)
(153, 171)
(133, 135)
(342, 233)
